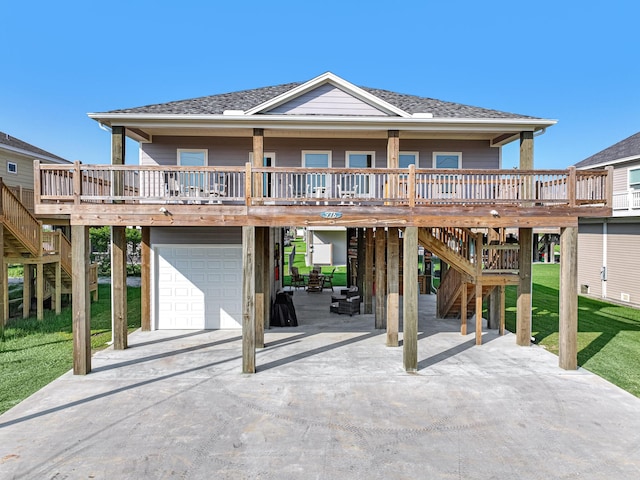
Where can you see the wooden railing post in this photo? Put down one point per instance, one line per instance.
(77, 182)
(412, 185)
(247, 185)
(608, 194)
(1, 197)
(37, 187)
(571, 186)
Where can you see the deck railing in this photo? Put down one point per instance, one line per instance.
(249, 185)
(626, 200)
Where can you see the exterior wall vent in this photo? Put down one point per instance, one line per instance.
(625, 297)
(584, 289)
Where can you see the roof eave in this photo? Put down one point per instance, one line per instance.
(631, 158)
(28, 153)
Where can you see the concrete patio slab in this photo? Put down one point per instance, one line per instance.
(329, 401)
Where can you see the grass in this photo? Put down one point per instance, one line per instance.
(33, 353)
(608, 334)
(339, 276)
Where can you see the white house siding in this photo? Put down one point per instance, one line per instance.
(590, 257)
(326, 100)
(621, 178)
(623, 260)
(476, 154)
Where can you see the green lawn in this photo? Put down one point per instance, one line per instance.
(33, 353)
(339, 276)
(608, 334)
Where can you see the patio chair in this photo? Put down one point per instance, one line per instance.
(297, 280)
(327, 280)
(349, 305)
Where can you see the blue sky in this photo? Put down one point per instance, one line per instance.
(574, 61)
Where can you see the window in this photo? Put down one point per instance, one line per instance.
(634, 179)
(408, 158)
(12, 167)
(447, 160)
(358, 184)
(192, 158)
(315, 184)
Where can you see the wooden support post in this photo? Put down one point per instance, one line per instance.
(393, 159)
(526, 150)
(269, 269)
(463, 309)
(119, 287)
(58, 288)
(568, 328)
(248, 300)
(259, 286)
(145, 280)
(80, 300)
(40, 291)
(523, 305)
(381, 279)
(410, 299)
(368, 271)
(5, 290)
(502, 309)
(4, 280)
(118, 155)
(393, 286)
(478, 311)
(27, 280)
(493, 318)
(361, 261)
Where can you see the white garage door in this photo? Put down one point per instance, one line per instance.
(198, 287)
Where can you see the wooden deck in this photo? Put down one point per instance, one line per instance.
(272, 196)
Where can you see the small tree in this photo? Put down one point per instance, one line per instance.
(100, 249)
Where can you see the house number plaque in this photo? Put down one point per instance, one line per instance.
(331, 214)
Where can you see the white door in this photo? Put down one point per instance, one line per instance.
(198, 287)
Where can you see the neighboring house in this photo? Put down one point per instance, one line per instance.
(609, 266)
(16, 165)
(44, 254)
(221, 176)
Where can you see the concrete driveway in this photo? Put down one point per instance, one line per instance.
(329, 401)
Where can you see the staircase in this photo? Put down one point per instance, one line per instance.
(470, 263)
(25, 242)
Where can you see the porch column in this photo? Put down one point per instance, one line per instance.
(145, 280)
(269, 268)
(81, 301)
(502, 309)
(381, 277)
(495, 307)
(526, 150)
(410, 299)
(368, 271)
(523, 305)
(259, 285)
(258, 160)
(393, 286)
(118, 143)
(248, 300)
(58, 288)
(360, 262)
(568, 328)
(119, 287)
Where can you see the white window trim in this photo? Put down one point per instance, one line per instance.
(193, 150)
(265, 154)
(9, 169)
(459, 154)
(415, 154)
(631, 186)
(359, 152)
(305, 152)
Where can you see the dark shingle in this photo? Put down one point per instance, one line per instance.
(629, 147)
(13, 142)
(246, 99)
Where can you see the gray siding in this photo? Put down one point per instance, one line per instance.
(621, 178)
(623, 261)
(234, 151)
(590, 257)
(196, 235)
(326, 100)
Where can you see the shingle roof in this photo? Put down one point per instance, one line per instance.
(246, 99)
(13, 142)
(629, 147)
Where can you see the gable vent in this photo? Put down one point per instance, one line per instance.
(625, 297)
